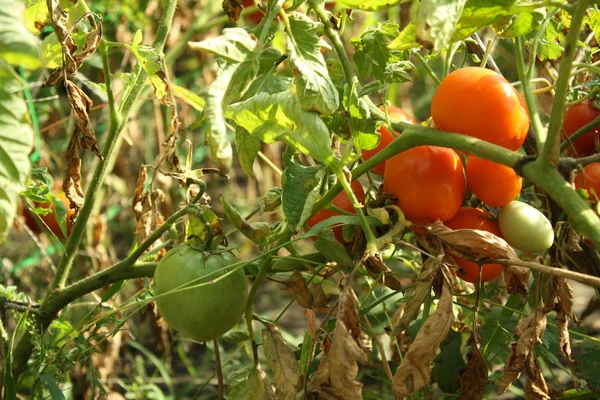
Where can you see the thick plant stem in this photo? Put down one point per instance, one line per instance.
(550, 151)
(525, 78)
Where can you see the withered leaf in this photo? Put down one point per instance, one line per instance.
(283, 363)
(529, 331)
(474, 378)
(415, 370)
(565, 311)
(233, 8)
(536, 388)
(477, 245)
(422, 290)
(378, 270)
(296, 285)
(81, 104)
(350, 345)
(72, 182)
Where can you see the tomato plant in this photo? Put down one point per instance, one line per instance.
(428, 182)
(342, 202)
(525, 228)
(576, 117)
(589, 178)
(205, 312)
(386, 137)
(475, 218)
(490, 108)
(494, 184)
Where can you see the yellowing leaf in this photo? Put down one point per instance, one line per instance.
(283, 363)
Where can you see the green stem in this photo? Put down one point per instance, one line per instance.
(525, 77)
(550, 150)
(112, 104)
(580, 132)
(427, 68)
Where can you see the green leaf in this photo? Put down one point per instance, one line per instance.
(449, 364)
(593, 20)
(271, 200)
(549, 47)
(369, 5)
(247, 149)
(406, 39)
(256, 231)
(300, 190)
(333, 250)
(36, 16)
(18, 46)
(237, 49)
(362, 126)
(436, 21)
(246, 384)
(16, 142)
(235, 336)
(589, 367)
(315, 88)
(280, 117)
(372, 55)
(152, 64)
(521, 24)
(52, 386)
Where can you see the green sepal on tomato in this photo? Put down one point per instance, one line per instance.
(475, 218)
(207, 311)
(341, 201)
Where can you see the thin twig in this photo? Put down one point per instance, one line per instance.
(564, 273)
(219, 370)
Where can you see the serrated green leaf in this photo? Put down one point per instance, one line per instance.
(315, 88)
(369, 5)
(362, 126)
(234, 45)
(16, 142)
(300, 190)
(280, 117)
(372, 55)
(549, 47)
(521, 24)
(436, 21)
(246, 384)
(152, 64)
(18, 46)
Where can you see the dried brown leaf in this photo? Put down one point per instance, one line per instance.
(296, 285)
(415, 370)
(321, 375)
(536, 388)
(430, 268)
(283, 363)
(72, 181)
(565, 311)
(474, 378)
(233, 8)
(567, 237)
(320, 299)
(378, 270)
(529, 331)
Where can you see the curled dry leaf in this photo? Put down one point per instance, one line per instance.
(378, 270)
(564, 311)
(311, 298)
(567, 237)
(144, 206)
(350, 345)
(415, 370)
(283, 363)
(536, 388)
(233, 8)
(529, 331)
(429, 270)
(476, 245)
(474, 379)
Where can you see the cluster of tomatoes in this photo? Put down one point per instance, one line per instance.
(430, 182)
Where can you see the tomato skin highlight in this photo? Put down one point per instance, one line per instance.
(342, 202)
(494, 184)
(475, 218)
(576, 117)
(206, 312)
(386, 137)
(428, 182)
(589, 178)
(525, 228)
(481, 103)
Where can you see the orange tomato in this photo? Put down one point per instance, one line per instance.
(254, 16)
(589, 179)
(342, 202)
(480, 103)
(494, 184)
(575, 118)
(428, 182)
(50, 218)
(386, 137)
(475, 218)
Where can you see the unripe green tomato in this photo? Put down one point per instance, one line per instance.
(205, 312)
(525, 228)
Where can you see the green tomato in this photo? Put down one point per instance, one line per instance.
(206, 312)
(525, 228)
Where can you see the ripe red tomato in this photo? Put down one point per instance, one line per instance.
(428, 182)
(576, 117)
(494, 184)
(589, 178)
(475, 218)
(479, 102)
(49, 219)
(342, 202)
(386, 137)
(255, 16)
